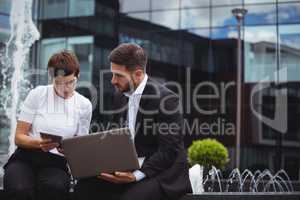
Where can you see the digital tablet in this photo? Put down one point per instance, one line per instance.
(54, 138)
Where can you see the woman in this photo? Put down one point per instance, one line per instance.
(37, 169)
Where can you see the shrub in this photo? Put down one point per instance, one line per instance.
(208, 153)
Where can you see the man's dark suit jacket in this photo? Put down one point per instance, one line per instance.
(163, 149)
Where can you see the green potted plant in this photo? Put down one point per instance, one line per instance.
(208, 153)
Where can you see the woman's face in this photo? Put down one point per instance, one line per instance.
(65, 85)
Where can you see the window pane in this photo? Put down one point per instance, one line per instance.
(261, 14)
(165, 4)
(168, 19)
(200, 32)
(222, 16)
(260, 53)
(134, 5)
(194, 18)
(4, 28)
(5, 6)
(287, 0)
(226, 2)
(224, 33)
(83, 48)
(49, 47)
(289, 13)
(290, 51)
(142, 16)
(222, 54)
(81, 7)
(54, 9)
(259, 1)
(194, 3)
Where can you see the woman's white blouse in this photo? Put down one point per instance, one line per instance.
(49, 113)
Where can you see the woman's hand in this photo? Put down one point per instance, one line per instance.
(47, 145)
(22, 139)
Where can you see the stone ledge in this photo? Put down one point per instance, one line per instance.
(243, 196)
(230, 196)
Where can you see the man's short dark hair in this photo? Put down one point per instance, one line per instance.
(130, 55)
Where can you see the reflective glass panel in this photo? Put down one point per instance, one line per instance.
(81, 7)
(168, 19)
(83, 48)
(195, 18)
(222, 16)
(259, 1)
(165, 4)
(142, 16)
(260, 48)
(290, 51)
(54, 9)
(194, 3)
(134, 5)
(260, 14)
(289, 13)
(226, 2)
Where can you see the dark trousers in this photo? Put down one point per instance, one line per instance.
(94, 188)
(33, 174)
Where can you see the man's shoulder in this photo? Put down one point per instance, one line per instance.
(161, 89)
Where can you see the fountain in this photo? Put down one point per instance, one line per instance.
(241, 185)
(14, 66)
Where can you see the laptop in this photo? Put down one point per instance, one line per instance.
(102, 152)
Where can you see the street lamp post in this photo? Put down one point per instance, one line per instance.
(239, 14)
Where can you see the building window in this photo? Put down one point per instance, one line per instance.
(260, 14)
(289, 38)
(289, 13)
(260, 48)
(136, 5)
(188, 17)
(5, 6)
(81, 7)
(82, 46)
(66, 8)
(168, 19)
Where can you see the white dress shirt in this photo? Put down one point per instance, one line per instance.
(47, 112)
(133, 107)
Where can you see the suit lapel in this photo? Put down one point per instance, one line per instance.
(121, 106)
(143, 104)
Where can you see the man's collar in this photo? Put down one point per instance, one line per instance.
(140, 89)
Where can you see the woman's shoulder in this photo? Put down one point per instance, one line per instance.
(84, 102)
(40, 90)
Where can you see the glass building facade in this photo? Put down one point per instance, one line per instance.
(192, 48)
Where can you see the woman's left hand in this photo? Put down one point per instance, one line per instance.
(46, 145)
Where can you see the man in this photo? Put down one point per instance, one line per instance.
(153, 114)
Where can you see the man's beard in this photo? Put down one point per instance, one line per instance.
(127, 88)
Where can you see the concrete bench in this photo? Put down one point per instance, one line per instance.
(228, 196)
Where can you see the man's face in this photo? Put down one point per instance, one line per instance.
(121, 78)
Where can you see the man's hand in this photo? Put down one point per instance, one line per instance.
(118, 177)
(60, 150)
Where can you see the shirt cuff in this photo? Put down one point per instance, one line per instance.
(139, 175)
